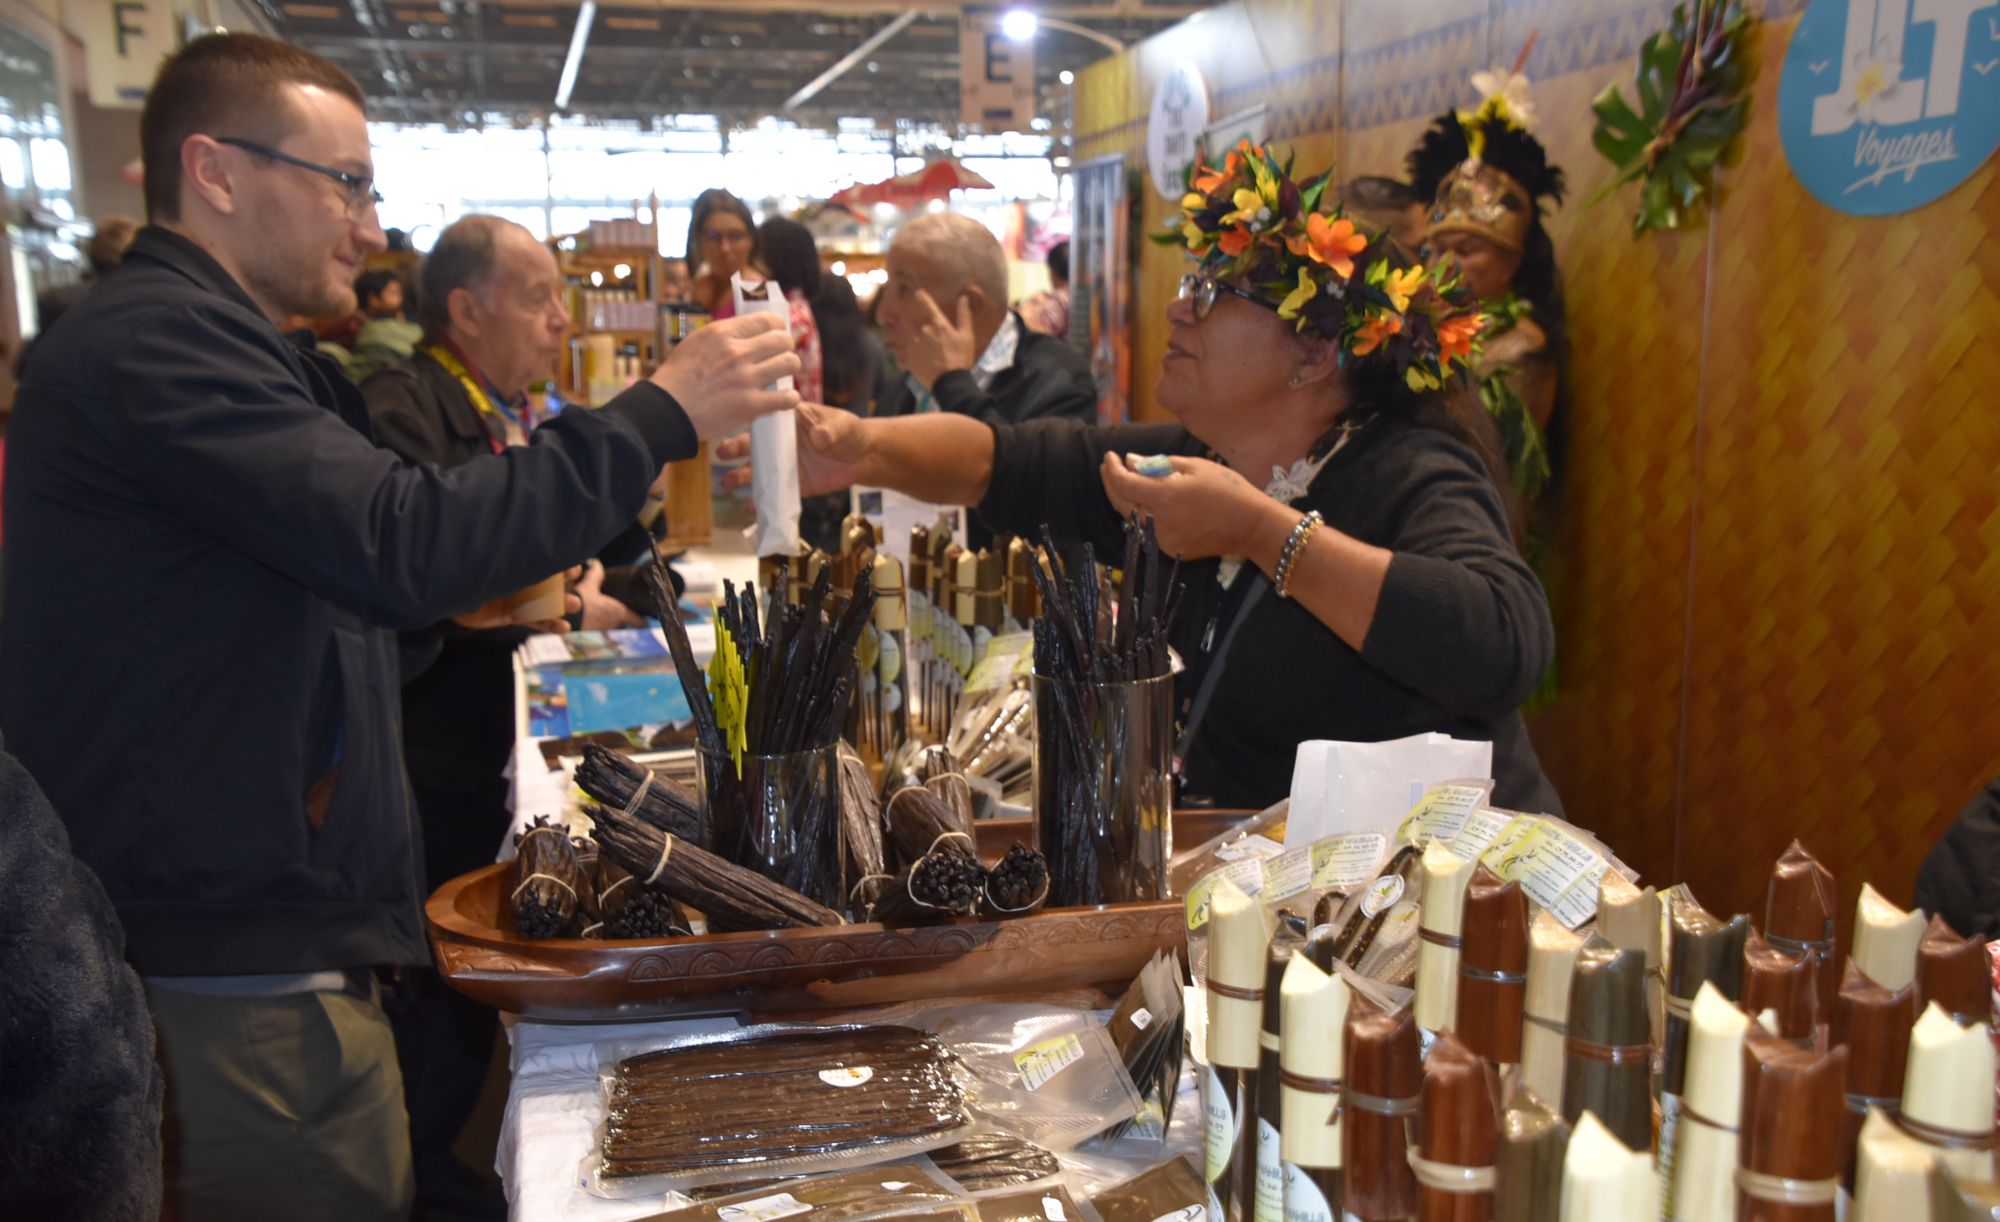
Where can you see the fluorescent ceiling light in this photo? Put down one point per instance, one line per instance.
(585, 14)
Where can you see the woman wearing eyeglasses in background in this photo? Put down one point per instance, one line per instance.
(1338, 499)
(722, 240)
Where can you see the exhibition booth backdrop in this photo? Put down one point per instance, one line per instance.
(1776, 561)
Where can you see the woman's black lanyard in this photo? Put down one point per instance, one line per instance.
(1216, 650)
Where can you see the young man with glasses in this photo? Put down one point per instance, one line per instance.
(206, 555)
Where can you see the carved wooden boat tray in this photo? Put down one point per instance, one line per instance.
(794, 970)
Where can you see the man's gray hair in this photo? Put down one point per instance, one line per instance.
(960, 252)
(462, 259)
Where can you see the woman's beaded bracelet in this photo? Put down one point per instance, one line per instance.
(1294, 544)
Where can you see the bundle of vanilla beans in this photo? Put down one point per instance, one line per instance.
(552, 896)
(619, 781)
(1101, 794)
(747, 1103)
(565, 888)
(929, 831)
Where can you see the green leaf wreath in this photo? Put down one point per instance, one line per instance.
(1690, 82)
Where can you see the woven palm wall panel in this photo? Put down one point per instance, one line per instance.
(1846, 582)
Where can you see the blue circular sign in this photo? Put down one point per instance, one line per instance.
(1885, 105)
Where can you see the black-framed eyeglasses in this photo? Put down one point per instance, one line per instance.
(726, 237)
(360, 187)
(1202, 291)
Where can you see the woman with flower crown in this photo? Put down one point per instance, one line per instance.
(1330, 484)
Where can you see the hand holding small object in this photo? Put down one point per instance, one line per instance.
(832, 448)
(1200, 508)
(722, 374)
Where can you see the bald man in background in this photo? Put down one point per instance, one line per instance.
(944, 317)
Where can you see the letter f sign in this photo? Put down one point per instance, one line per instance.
(120, 11)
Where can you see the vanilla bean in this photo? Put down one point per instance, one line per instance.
(918, 819)
(731, 897)
(614, 780)
(860, 816)
(660, 586)
(746, 1103)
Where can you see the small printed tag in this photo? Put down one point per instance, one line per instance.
(1252, 846)
(1052, 1209)
(763, 1209)
(1142, 1018)
(1247, 874)
(852, 1076)
(1383, 892)
(1041, 1062)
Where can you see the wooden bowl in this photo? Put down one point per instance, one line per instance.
(794, 970)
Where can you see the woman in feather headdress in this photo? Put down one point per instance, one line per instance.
(1487, 177)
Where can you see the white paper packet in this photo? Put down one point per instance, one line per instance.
(1370, 787)
(774, 458)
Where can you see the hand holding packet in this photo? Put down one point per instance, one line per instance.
(774, 459)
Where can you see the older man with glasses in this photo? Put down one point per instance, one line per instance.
(206, 556)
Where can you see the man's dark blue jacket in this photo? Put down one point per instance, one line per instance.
(205, 555)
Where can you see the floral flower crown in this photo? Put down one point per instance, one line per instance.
(1327, 277)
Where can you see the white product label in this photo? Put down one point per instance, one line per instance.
(1304, 1202)
(1347, 861)
(1247, 874)
(1193, 1213)
(1052, 1209)
(853, 1075)
(1270, 1174)
(1670, 1124)
(1251, 846)
(1142, 1018)
(1220, 1112)
(1215, 1213)
(1041, 1062)
(1441, 813)
(1383, 892)
(1287, 874)
(783, 1205)
(1482, 827)
(1425, 1038)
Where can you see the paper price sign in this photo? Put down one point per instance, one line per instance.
(1040, 1062)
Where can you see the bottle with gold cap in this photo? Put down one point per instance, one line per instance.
(892, 650)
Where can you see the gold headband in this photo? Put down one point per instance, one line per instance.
(1479, 198)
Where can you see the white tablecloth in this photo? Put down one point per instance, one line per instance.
(553, 1112)
(552, 1116)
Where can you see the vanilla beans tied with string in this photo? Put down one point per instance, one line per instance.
(731, 897)
(615, 780)
(1102, 793)
(551, 890)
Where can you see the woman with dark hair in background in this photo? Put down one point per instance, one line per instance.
(792, 257)
(722, 240)
(838, 353)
